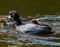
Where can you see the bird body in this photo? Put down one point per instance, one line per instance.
(31, 27)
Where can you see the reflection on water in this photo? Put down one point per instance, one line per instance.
(9, 37)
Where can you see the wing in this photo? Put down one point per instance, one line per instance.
(29, 27)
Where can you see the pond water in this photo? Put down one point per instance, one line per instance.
(9, 37)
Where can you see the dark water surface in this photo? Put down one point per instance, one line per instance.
(9, 37)
(30, 7)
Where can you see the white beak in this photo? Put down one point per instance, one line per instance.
(9, 17)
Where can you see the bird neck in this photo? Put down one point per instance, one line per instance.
(18, 21)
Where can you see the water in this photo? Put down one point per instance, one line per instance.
(9, 37)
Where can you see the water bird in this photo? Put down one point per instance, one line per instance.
(31, 28)
(2, 22)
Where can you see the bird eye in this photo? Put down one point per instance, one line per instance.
(10, 13)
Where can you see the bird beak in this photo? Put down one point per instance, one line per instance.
(9, 17)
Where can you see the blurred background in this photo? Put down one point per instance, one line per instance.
(30, 7)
